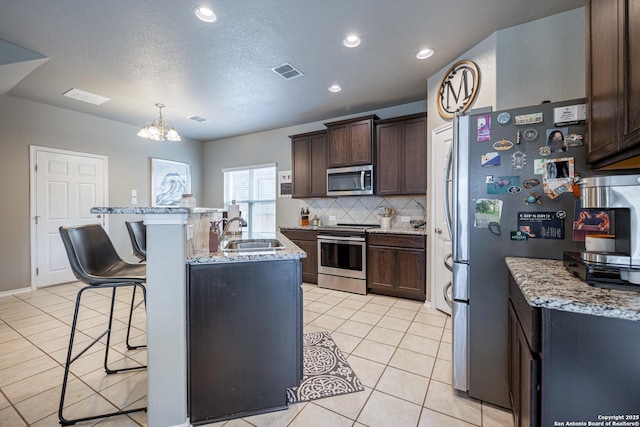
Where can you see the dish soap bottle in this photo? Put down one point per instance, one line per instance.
(213, 237)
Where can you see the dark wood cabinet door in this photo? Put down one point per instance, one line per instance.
(361, 142)
(630, 79)
(300, 167)
(414, 171)
(381, 268)
(602, 78)
(388, 152)
(318, 165)
(310, 263)
(410, 271)
(338, 146)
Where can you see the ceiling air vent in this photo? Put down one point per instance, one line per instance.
(197, 119)
(287, 71)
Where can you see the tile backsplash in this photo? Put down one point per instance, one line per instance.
(364, 209)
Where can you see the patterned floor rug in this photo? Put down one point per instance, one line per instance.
(326, 371)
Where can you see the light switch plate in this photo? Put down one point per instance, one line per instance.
(134, 192)
(332, 217)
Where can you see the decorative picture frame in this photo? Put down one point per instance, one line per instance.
(169, 181)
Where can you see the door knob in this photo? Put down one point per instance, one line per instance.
(438, 230)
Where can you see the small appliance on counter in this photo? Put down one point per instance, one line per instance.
(615, 262)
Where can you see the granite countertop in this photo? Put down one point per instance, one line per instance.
(128, 210)
(290, 251)
(393, 230)
(546, 283)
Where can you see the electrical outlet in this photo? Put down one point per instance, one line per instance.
(332, 217)
(134, 200)
(405, 218)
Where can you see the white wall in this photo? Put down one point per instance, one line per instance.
(541, 60)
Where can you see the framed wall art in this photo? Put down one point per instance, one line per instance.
(169, 181)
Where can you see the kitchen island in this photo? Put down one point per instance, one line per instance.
(573, 349)
(244, 320)
(167, 303)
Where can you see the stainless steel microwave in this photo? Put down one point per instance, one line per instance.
(350, 181)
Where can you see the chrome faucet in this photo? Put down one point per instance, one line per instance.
(242, 222)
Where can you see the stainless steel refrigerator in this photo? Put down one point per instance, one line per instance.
(496, 210)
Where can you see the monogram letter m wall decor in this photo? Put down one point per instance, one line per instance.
(458, 88)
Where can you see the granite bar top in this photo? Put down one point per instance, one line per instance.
(290, 251)
(393, 230)
(546, 283)
(128, 210)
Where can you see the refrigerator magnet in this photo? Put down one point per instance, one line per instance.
(487, 211)
(530, 134)
(518, 236)
(529, 119)
(530, 183)
(503, 118)
(539, 166)
(574, 140)
(490, 159)
(501, 184)
(541, 225)
(556, 140)
(484, 128)
(558, 176)
(502, 145)
(518, 160)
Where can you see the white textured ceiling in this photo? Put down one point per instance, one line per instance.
(141, 52)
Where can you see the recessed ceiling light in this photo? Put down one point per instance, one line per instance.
(351, 40)
(335, 88)
(425, 53)
(205, 14)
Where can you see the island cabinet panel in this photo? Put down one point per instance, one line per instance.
(244, 337)
(350, 142)
(566, 366)
(307, 241)
(401, 152)
(309, 164)
(613, 83)
(396, 265)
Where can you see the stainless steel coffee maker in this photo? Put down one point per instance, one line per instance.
(620, 268)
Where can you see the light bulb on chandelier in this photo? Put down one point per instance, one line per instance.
(158, 130)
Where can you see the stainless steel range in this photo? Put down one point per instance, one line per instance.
(342, 257)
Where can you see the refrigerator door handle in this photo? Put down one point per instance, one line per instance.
(445, 291)
(448, 265)
(447, 185)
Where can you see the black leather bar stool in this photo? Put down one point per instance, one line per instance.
(94, 261)
(138, 235)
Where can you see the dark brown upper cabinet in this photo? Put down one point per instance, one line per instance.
(309, 164)
(613, 83)
(350, 142)
(401, 150)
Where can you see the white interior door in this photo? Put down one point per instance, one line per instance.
(441, 277)
(67, 186)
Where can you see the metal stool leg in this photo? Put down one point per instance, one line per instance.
(70, 360)
(133, 307)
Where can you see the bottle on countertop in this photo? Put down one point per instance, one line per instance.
(213, 237)
(304, 217)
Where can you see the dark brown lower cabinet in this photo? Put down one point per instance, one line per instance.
(307, 241)
(571, 367)
(396, 265)
(524, 374)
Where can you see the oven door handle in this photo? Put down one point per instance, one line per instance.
(332, 239)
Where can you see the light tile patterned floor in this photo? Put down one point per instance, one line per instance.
(400, 350)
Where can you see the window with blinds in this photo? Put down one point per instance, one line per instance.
(254, 189)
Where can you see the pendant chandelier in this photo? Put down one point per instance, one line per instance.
(158, 130)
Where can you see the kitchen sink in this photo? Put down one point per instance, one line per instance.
(252, 245)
